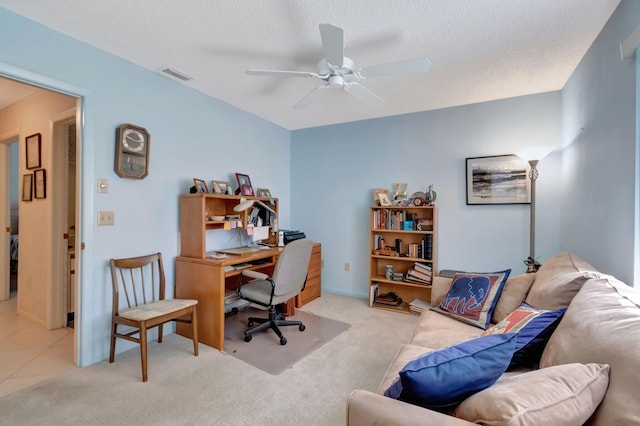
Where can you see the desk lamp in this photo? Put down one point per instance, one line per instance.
(245, 204)
(533, 155)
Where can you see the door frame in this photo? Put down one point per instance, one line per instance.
(59, 222)
(5, 209)
(84, 232)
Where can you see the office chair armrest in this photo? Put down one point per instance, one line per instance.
(255, 275)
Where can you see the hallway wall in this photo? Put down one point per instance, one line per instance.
(35, 270)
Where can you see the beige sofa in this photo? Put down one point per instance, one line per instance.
(600, 329)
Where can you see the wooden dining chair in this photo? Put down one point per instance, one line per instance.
(139, 302)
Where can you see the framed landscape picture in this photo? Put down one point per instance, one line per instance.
(500, 179)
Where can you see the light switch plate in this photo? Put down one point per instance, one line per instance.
(103, 185)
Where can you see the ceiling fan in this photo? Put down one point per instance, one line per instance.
(338, 71)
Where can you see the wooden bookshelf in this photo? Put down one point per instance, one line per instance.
(400, 237)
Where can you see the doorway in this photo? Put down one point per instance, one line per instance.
(60, 142)
(10, 206)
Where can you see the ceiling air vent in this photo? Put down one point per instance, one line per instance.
(170, 72)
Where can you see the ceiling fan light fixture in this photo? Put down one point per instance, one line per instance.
(337, 71)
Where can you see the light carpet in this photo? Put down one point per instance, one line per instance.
(218, 389)
(265, 352)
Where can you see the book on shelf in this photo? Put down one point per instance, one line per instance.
(427, 242)
(390, 301)
(373, 293)
(419, 306)
(420, 272)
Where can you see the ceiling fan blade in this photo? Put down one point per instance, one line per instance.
(363, 94)
(410, 66)
(311, 96)
(332, 44)
(277, 73)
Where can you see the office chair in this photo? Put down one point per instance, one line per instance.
(288, 279)
(142, 283)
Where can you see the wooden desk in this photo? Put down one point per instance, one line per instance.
(205, 280)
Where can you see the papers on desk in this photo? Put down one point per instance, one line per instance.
(216, 255)
(236, 267)
(232, 300)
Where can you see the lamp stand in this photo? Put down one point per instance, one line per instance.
(532, 264)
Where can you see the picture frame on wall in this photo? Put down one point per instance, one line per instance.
(498, 179)
(33, 150)
(27, 186)
(244, 184)
(201, 185)
(40, 186)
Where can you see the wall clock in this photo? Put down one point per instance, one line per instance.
(132, 152)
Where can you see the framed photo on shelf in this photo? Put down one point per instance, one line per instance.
(499, 179)
(40, 186)
(382, 197)
(220, 187)
(33, 151)
(263, 192)
(27, 185)
(244, 184)
(201, 186)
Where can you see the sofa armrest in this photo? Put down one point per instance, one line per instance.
(439, 288)
(366, 408)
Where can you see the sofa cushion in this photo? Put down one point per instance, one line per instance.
(434, 330)
(404, 355)
(514, 292)
(566, 394)
(602, 325)
(558, 281)
(534, 327)
(473, 297)
(443, 378)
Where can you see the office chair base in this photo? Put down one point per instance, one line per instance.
(272, 322)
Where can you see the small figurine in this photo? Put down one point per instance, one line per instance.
(430, 196)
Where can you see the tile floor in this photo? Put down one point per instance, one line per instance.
(29, 354)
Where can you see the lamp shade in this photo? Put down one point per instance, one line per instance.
(535, 152)
(245, 204)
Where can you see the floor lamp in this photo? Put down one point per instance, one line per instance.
(533, 155)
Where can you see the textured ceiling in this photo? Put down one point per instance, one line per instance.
(480, 50)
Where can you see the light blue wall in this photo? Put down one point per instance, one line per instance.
(598, 162)
(335, 168)
(327, 190)
(192, 135)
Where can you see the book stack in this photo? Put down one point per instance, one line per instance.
(420, 273)
(418, 306)
(390, 300)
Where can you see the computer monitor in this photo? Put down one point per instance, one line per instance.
(260, 233)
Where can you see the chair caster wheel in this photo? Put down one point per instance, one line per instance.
(247, 337)
(283, 341)
(302, 327)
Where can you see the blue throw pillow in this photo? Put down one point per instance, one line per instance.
(441, 379)
(533, 327)
(473, 296)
